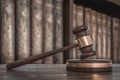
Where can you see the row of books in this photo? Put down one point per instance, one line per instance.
(103, 29)
(30, 27)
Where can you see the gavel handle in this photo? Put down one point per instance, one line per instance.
(37, 57)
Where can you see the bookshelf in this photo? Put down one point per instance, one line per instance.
(31, 30)
(107, 7)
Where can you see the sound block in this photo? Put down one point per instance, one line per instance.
(89, 65)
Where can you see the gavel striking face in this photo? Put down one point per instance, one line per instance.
(84, 42)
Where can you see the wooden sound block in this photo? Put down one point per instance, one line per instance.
(89, 65)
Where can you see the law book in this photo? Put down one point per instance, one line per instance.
(119, 43)
(48, 28)
(94, 29)
(108, 41)
(7, 31)
(115, 38)
(99, 22)
(73, 55)
(58, 29)
(37, 28)
(79, 22)
(104, 37)
(22, 28)
(88, 19)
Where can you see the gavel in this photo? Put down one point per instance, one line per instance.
(83, 41)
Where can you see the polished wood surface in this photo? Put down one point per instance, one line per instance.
(54, 72)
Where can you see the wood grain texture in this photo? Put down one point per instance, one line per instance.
(37, 28)
(115, 39)
(108, 46)
(79, 22)
(48, 29)
(58, 29)
(104, 36)
(55, 72)
(22, 28)
(7, 31)
(99, 21)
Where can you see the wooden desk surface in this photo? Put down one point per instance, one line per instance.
(54, 72)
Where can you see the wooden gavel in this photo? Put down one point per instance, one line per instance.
(83, 41)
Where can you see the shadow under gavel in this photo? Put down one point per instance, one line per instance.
(83, 41)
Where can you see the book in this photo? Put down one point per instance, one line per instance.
(58, 29)
(119, 42)
(94, 29)
(73, 55)
(104, 37)
(88, 20)
(99, 48)
(108, 41)
(79, 22)
(37, 28)
(48, 28)
(115, 38)
(7, 31)
(22, 29)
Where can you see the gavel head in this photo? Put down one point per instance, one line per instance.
(84, 41)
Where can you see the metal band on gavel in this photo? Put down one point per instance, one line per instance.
(83, 41)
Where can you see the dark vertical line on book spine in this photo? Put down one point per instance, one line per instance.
(117, 39)
(67, 23)
(30, 11)
(15, 29)
(0, 32)
(84, 16)
(97, 35)
(43, 29)
(111, 39)
(43, 61)
(119, 43)
(107, 37)
(54, 29)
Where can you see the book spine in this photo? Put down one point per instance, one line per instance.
(22, 28)
(104, 37)
(37, 28)
(48, 28)
(99, 21)
(79, 22)
(73, 55)
(58, 29)
(7, 31)
(94, 29)
(88, 19)
(119, 42)
(115, 39)
(108, 41)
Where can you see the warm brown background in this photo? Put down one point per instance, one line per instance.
(30, 27)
